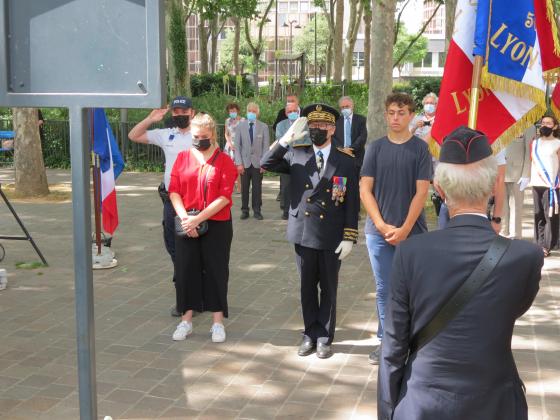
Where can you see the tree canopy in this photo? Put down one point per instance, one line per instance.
(305, 41)
(414, 54)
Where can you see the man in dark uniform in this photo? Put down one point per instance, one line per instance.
(466, 369)
(323, 217)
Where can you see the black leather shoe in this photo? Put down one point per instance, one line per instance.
(323, 351)
(175, 312)
(374, 356)
(244, 215)
(258, 216)
(306, 347)
(285, 216)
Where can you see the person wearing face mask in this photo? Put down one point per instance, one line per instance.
(172, 141)
(291, 98)
(292, 112)
(351, 130)
(252, 139)
(202, 179)
(323, 217)
(545, 162)
(421, 125)
(232, 121)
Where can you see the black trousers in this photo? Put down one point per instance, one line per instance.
(546, 226)
(285, 192)
(209, 254)
(251, 179)
(318, 268)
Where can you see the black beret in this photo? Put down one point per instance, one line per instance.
(464, 145)
(320, 113)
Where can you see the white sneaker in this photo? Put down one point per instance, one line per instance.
(218, 333)
(183, 329)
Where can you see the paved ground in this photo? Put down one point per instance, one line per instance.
(143, 374)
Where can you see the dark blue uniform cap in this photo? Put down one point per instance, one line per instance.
(464, 145)
(181, 102)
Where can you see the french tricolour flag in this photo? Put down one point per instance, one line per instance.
(512, 93)
(111, 166)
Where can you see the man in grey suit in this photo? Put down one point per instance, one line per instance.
(518, 171)
(466, 369)
(292, 112)
(252, 139)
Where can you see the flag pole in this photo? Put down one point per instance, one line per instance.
(96, 189)
(475, 88)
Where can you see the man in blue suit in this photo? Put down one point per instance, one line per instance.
(466, 370)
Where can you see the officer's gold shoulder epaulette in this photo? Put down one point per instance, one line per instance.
(346, 152)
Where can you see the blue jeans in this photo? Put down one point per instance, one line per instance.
(381, 258)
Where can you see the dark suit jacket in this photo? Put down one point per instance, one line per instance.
(314, 219)
(358, 134)
(282, 116)
(467, 371)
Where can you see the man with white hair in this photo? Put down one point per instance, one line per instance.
(351, 130)
(455, 295)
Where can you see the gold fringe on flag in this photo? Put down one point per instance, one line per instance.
(434, 147)
(518, 128)
(553, 26)
(555, 109)
(519, 89)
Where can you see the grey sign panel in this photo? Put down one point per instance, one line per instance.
(103, 53)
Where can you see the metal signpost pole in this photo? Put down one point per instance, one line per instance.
(83, 275)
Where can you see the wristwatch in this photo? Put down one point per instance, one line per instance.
(496, 219)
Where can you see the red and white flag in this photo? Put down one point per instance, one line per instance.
(501, 115)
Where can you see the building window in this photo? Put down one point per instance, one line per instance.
(358, 59)
(442, 57)
(304, 6)
(427, 62)
(283, 6)
(293, 6)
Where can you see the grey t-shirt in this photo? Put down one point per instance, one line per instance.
(395, 169)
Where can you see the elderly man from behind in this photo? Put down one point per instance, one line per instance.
(457, 363)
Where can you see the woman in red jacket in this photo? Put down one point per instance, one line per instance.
(202, 179)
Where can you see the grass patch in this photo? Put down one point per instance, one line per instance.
(59, 193)
(29, 265)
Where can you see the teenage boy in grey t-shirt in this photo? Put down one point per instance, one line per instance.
(394, 184)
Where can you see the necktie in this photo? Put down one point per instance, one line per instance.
(347, 132)
(251, 132)
(320, 160)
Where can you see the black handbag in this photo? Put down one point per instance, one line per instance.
(202, 228)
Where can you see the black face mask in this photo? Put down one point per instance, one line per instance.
(545, 131)
(202, 144)
(318, 136)
(181, 121)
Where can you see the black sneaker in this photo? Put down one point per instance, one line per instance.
(244, 215)
(374, 356)
(258, 216)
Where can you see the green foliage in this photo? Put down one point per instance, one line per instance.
(419, 87)
(202, 84)
(226, 53)
(305, 41)
(177, 40)
(414, 54)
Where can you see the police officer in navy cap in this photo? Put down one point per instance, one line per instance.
(465, 368)
(323, 217)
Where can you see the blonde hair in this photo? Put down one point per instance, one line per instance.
(204, 120)
(467, 184)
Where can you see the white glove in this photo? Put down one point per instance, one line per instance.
(295, 132)
(523, 182)
(344, 249)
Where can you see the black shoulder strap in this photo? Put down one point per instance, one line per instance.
(462, 295)
(206, 175)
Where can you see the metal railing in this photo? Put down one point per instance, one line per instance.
(55, 142)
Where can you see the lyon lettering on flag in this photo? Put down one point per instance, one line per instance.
(111, 165)
(512, 93)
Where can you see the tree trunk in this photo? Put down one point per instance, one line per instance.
(329, 65)
(214, 44)
(203, 45)
(236, 41)
(450, 7)
(356, 11)
(381, 75)
(31, 177)
(188, 66)
(367, 44)
(168, 51)
(337, 42)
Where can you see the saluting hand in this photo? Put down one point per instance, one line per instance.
(295, 132)
(157, 114)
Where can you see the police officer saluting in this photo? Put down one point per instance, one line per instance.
(323, 217)
(172, 141)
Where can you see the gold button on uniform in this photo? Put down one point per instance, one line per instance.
(306, 185)
(309, 200)
(321, 216)
(328, 190)
(307, 213)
